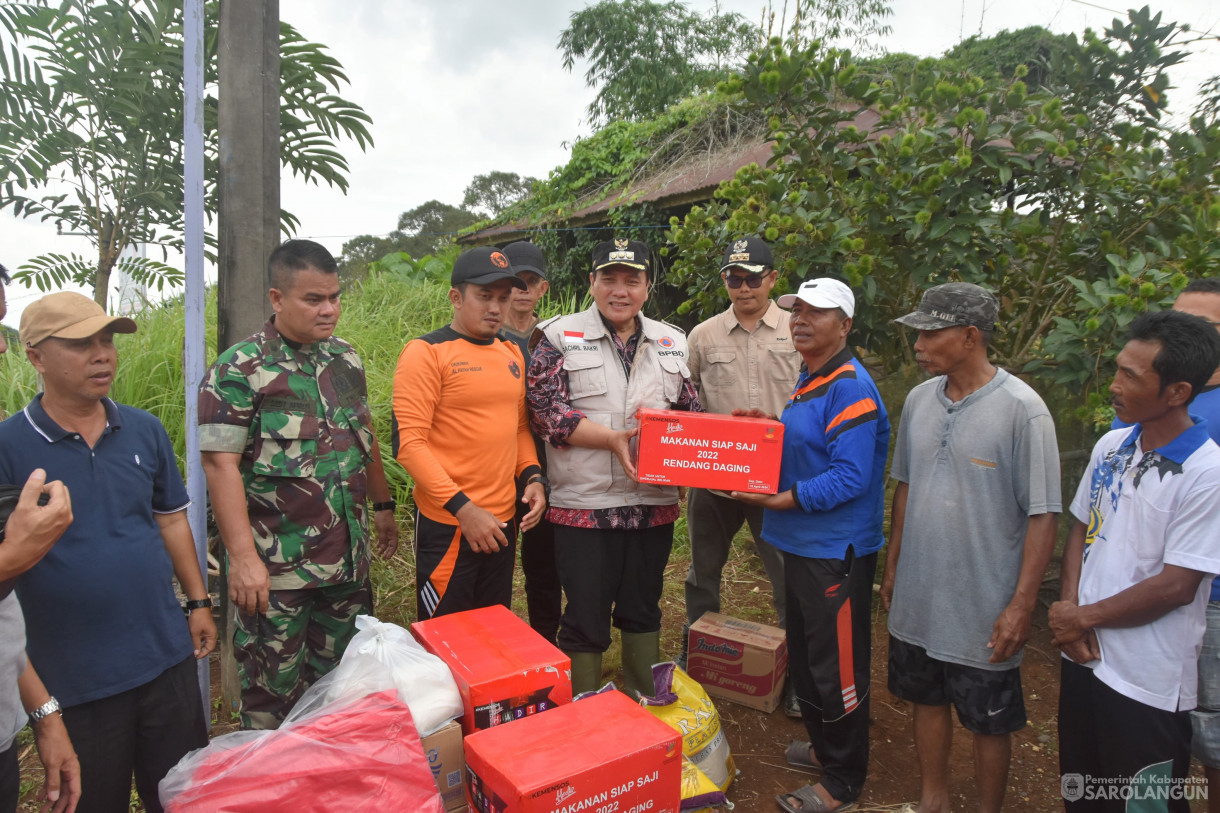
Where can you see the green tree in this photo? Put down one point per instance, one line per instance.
(91, 127)
(643, 56)
(856, 24)
(1075, 205)
(425, 230)
(490, 194)
(432, 225)
(999, 56)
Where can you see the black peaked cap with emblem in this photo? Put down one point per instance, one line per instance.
(619, 251)
(483, 266)
(749, 254)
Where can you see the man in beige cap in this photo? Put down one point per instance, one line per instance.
(111, 642)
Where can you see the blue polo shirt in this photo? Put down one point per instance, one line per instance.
(100, 611)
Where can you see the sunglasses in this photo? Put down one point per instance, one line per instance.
(754, 280)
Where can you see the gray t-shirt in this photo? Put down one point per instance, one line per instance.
(12, 664)
(976, 470)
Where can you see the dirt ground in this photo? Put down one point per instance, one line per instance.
(758, 740)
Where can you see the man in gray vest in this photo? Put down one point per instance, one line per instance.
(588, 375)
(741, 358)
(972, 528)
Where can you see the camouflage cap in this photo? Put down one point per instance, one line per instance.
(954, 304)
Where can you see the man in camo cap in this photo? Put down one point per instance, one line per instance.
(290, 457)
(972, 528)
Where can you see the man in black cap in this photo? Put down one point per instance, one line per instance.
(461, 433)
(588, 376)
(972, 528)
(543, 593)
(521, 318)
(741, 358)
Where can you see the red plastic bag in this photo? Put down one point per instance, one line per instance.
(358, 755)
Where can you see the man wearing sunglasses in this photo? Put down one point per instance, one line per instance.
(742, 358)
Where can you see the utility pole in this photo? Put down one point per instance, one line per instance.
(249, 189)
(194, 360)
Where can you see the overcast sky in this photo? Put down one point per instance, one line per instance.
(458, 88)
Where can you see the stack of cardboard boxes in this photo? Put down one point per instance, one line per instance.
(603, 753)
(516, 759)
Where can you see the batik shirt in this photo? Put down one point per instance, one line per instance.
(553, 419)
(299, 417)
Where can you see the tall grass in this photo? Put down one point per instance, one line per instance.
(379, 317)
(380, 314)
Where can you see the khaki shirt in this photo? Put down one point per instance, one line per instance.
(736, 369)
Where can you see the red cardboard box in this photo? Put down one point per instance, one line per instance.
(602, 753)
(504, 670)
(738, 660)
(698, 449)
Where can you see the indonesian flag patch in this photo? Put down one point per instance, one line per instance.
(574, 337)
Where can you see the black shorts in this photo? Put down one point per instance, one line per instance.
(987, 701)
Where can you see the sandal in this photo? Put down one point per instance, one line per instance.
(798, 756)
(810, 802)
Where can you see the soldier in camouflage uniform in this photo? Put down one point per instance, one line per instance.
(290, 457)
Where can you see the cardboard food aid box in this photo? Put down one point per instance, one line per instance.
(504, 670)
(602, 753)
(702, 450)
(447, 761)
(738, 660)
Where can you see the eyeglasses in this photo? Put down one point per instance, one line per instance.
(734, 282)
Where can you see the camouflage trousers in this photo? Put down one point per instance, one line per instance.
(299, 639)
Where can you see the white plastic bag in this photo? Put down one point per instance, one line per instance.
(423, 680)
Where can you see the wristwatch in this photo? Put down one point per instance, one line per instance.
(545, 483)
(197, 604)
(388, 505)
(45, 710)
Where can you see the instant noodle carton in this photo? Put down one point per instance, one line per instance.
(601, 754)
(738, 660)
(504, 670)
(676, 448)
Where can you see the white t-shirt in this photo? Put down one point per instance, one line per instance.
(12, 664)
(1144, 511)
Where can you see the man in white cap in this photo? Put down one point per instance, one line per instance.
(104, 628)
(827, 519)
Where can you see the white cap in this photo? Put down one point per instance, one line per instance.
(822, 293)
